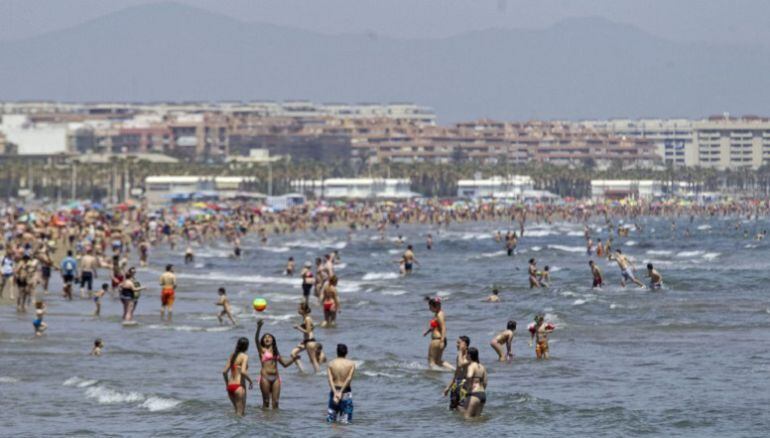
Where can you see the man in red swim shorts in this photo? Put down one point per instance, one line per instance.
(167, 287)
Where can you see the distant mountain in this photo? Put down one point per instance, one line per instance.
(579, 68)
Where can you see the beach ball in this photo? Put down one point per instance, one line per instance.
(260, 304)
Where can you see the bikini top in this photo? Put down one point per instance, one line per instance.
(268, 356)
(433, 323)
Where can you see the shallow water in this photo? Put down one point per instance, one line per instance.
(692, 360)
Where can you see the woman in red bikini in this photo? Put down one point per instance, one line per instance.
(269, 380)
(235, 373)
(331, 303)
(437, 330)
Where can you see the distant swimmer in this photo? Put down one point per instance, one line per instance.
(40, 310)
(409, 260)
(307, 280)
(533, 277)
(494, 297)
(656, 280)
(289, 271)
(456, 387)
(544, 277)
(596, 273)
(589, 247)
(167, 292)
(429, 242)
(227, 310)
(539, 333)
(189, 256)
(98, 346)
(98, 295)
(236, 374)
(340, 374)
(599, 248)
(504, 338)
(269, 380)
(626, 268)
(437, 331)
(476, 381)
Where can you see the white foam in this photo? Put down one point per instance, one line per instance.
(566, 248)
(536, 248)
(222, 276)
(630, 243)
(578, 302)
(704, 227)
(485, 255)
(654, 252)
(381, 374)
(394, 292)
(690, 253)
(155, 404)
(104, 395)
(275, 249)
(7, 379)
(541, 233)
(394, 251)
(369, 276)
(321, 244)
(576, 233)
(78, 382)
(711, 255)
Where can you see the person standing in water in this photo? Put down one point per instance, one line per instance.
(504, 338)
(331, 303)
(167, 292)
(340, 375)
(596, 273)
(69, 267)
(626, 269)
(429, 242)
(289, 271)
(88, 266)
(236, 374)
(409, 260)
(308, 344)
(437, 330)
(40, 311)
(269, 357)
(539, 333)
(476, 381)
(656, 280)
(307, 280)
(456, 387)
(226, 308)
(533, 277)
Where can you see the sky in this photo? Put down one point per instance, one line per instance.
(715, 21)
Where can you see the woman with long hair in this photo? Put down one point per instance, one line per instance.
(331, 302)
(308, 344)
(236, 374)
(437, 330)
(269, 357)
(476, 384)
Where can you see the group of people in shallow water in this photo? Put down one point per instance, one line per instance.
(82, 241)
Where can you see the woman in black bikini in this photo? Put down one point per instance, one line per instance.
(476, 381)
(235, 374)
(308, 343)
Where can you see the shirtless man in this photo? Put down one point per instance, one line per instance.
(494, 298)
(307, 280)
(656, 280)
(409, 260)
(340, 374)
(504, 338)
(626, 269)
(533, 280)
(455, 387)
(88, 265)
(539, 334)
(167, 292)
(289, 271)
(597, 274)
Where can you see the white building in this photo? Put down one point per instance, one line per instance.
(34, 138)
(730, 143)
(635, 189)
(357, 188)
(510, 187)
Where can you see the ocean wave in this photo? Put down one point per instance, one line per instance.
(690, 253)
(704, 227)
(274, 249)
(369, 276)
(566, 248)
(381, 374)
(155, 404)
(223, 276)
(630, 243)
(106, 396)
(659, 252)
(711, 255)
(542, 233)
(79, 382)
(486, 255)
(321, 244)
(8, 379)
(394, 293)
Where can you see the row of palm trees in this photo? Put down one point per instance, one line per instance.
(68, 179)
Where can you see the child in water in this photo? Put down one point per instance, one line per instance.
(40, 311)
(495, 297)
(505, 337)
(544, 277)
(98, 345)
(225, 303)
(98, 298)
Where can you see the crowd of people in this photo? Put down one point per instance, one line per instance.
(82, 244)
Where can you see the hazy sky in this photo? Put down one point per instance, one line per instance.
(727, 21)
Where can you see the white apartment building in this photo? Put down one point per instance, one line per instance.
(635, 189)
(730, 143)
(34, 138)
(510, 187)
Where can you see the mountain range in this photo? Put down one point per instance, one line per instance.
(579, 68)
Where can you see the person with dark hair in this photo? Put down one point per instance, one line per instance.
(456, 389)
(236, 373)
(626, 268)
(167, 292)
(340, 374)
(69, 268)
(596, 273)
(437, 330)
(331, 302)
(269, 357)
(308, 344)
(505, 337)
(226, 308)
(409, 259)
(476, 383)
(129, 295)
(533, 277)
(656, 280)
(539, 332)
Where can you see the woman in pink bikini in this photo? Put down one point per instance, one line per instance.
(269, 380)
(236, 374)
